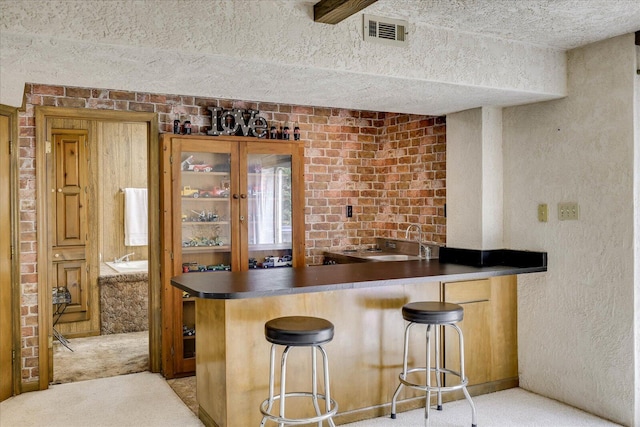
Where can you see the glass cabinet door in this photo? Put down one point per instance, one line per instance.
(269, 210)
(205, 211)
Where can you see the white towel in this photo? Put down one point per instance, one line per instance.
(136, 217)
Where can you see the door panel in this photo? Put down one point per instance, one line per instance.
(71, 180)
(475, 298)
(73, 276)
(70, 223)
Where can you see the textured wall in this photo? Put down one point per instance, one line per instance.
(475, 176)
(390, 167)
(464, 179)
(576, 322)
(636, 203)
(264, 50)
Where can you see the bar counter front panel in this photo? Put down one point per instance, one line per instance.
(363, 301)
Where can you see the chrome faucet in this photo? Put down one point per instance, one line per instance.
(423, 252)
(124, 258)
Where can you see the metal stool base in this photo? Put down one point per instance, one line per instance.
(295, 421)
(330, 407)
(438, 370)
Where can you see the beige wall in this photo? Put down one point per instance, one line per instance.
(475, 209)
(576, 322)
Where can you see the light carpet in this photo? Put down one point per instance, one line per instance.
(141, 400)
(509, 408)
(146, 399)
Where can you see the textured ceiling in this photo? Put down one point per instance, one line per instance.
(461, 54)
(561, 24)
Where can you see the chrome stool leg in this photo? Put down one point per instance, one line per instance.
(438, 367)
(403, 375)
(427, 370)
(314, 382)
(463, 376)
(327, 389)
(283, 380)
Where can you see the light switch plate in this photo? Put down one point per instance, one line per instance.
(543, 212)
(568, 211)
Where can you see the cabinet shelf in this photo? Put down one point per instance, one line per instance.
(205, 222)
(204, 249)
(205, 199)
(194, 173)
(270, 246)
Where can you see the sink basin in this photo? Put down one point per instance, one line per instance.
(394, 257)
(130, 266)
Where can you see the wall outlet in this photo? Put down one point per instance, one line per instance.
(349, 211)
(568, 211)
(543, 212)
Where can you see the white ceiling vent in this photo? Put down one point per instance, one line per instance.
(387, 31)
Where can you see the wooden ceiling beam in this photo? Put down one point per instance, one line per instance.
(334, 11)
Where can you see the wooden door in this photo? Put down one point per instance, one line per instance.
(489, 327)
(69, 222)
(6, 307)
(475, 298)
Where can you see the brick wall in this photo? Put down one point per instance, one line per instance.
(389, 167)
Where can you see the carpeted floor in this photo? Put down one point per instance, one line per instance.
(142, 400)
(145, 399)
(509, 408)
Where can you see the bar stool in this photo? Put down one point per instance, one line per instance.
(434, 315)
(299, 331)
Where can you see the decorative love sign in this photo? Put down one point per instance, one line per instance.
(237, 122)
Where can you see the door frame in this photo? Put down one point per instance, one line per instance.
(45, 326)
(12, 114)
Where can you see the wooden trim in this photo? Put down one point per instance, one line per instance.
(30, 386)
(12, 114)
(44, 294)
(155, 251)
(43, 128)
(334, 11)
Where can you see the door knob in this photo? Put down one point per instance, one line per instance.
(235, 196)
(243, 196)
(59, 190)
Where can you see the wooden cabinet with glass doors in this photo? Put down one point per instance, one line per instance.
(228, 204)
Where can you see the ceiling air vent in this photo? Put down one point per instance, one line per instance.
(387, 31)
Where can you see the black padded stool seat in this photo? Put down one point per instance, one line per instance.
(432, 312)
(298, 331)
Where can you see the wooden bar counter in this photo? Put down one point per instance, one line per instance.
(364, 303)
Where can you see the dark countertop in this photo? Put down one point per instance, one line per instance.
(322, 278)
